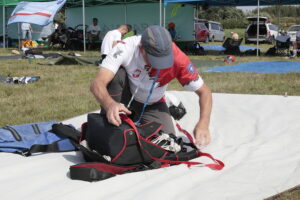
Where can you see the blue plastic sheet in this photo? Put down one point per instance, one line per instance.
(272, 67)
(211, 47)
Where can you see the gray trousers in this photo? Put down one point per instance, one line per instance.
(119, 90)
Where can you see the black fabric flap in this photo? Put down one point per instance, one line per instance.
(149, 129)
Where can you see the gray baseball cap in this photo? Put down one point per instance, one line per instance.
(157, 43)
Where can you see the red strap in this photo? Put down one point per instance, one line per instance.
(218, 165)
(185, 132)
(131, 123)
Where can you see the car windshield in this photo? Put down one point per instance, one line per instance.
(294, 28)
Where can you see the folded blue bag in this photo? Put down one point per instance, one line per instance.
(31, 138)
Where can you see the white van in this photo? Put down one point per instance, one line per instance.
(216, 31)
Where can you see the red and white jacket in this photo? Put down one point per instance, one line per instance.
(128, 55)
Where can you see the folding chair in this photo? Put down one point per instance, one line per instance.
(232, 47)
(283, 44)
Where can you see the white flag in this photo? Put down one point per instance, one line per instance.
(39, 13)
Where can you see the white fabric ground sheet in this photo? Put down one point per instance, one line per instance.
(256, 136)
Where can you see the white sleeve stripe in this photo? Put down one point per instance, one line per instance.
(194, 85)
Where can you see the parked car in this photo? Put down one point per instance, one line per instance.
(267, 31)
(292, 30)
(201, 32)
(216, 31)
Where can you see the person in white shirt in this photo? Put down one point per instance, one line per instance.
(26, 31)
(112, 37)
(149, 62)
(93, 32)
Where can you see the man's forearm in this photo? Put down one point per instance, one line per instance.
(205, 102)
(101, 94)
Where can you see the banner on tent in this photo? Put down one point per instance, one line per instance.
(39, 13)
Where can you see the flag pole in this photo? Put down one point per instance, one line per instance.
(19, 37)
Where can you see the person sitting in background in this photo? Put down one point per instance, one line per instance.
(93, 32)
(112, 37)
(59, 36)
(234, 36)
(232, 44)
(26, 31)
(171, 29)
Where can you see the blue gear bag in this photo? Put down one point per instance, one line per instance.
(31, 138)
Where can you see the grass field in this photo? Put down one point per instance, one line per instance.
(63, 90)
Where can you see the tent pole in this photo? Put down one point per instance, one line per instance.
(257, 42)
(195, 20)
(83, 22)
(160, 13)
(278, 11)
(3, 21)
(19, 37)
(164, 16)
(125, 12)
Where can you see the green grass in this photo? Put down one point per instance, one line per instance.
(63, 91)
(291, 194)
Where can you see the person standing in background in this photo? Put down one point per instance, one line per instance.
(112, 37)
(171, 29)
(26, 31)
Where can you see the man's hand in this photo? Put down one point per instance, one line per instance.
(202, 136)
(99, 89)
(113, 113)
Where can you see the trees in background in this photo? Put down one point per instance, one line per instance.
(284, 16)
(231, 17)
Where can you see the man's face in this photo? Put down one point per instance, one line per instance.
(151, 71)
(124, 31)
(95, 22)
(145, 56)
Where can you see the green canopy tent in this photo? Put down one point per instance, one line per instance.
(90, 3)
(76, 3)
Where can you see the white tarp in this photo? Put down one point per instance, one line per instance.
(256, 136)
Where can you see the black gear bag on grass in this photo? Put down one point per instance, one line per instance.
(130, 148)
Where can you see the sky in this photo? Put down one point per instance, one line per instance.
(247, 8)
